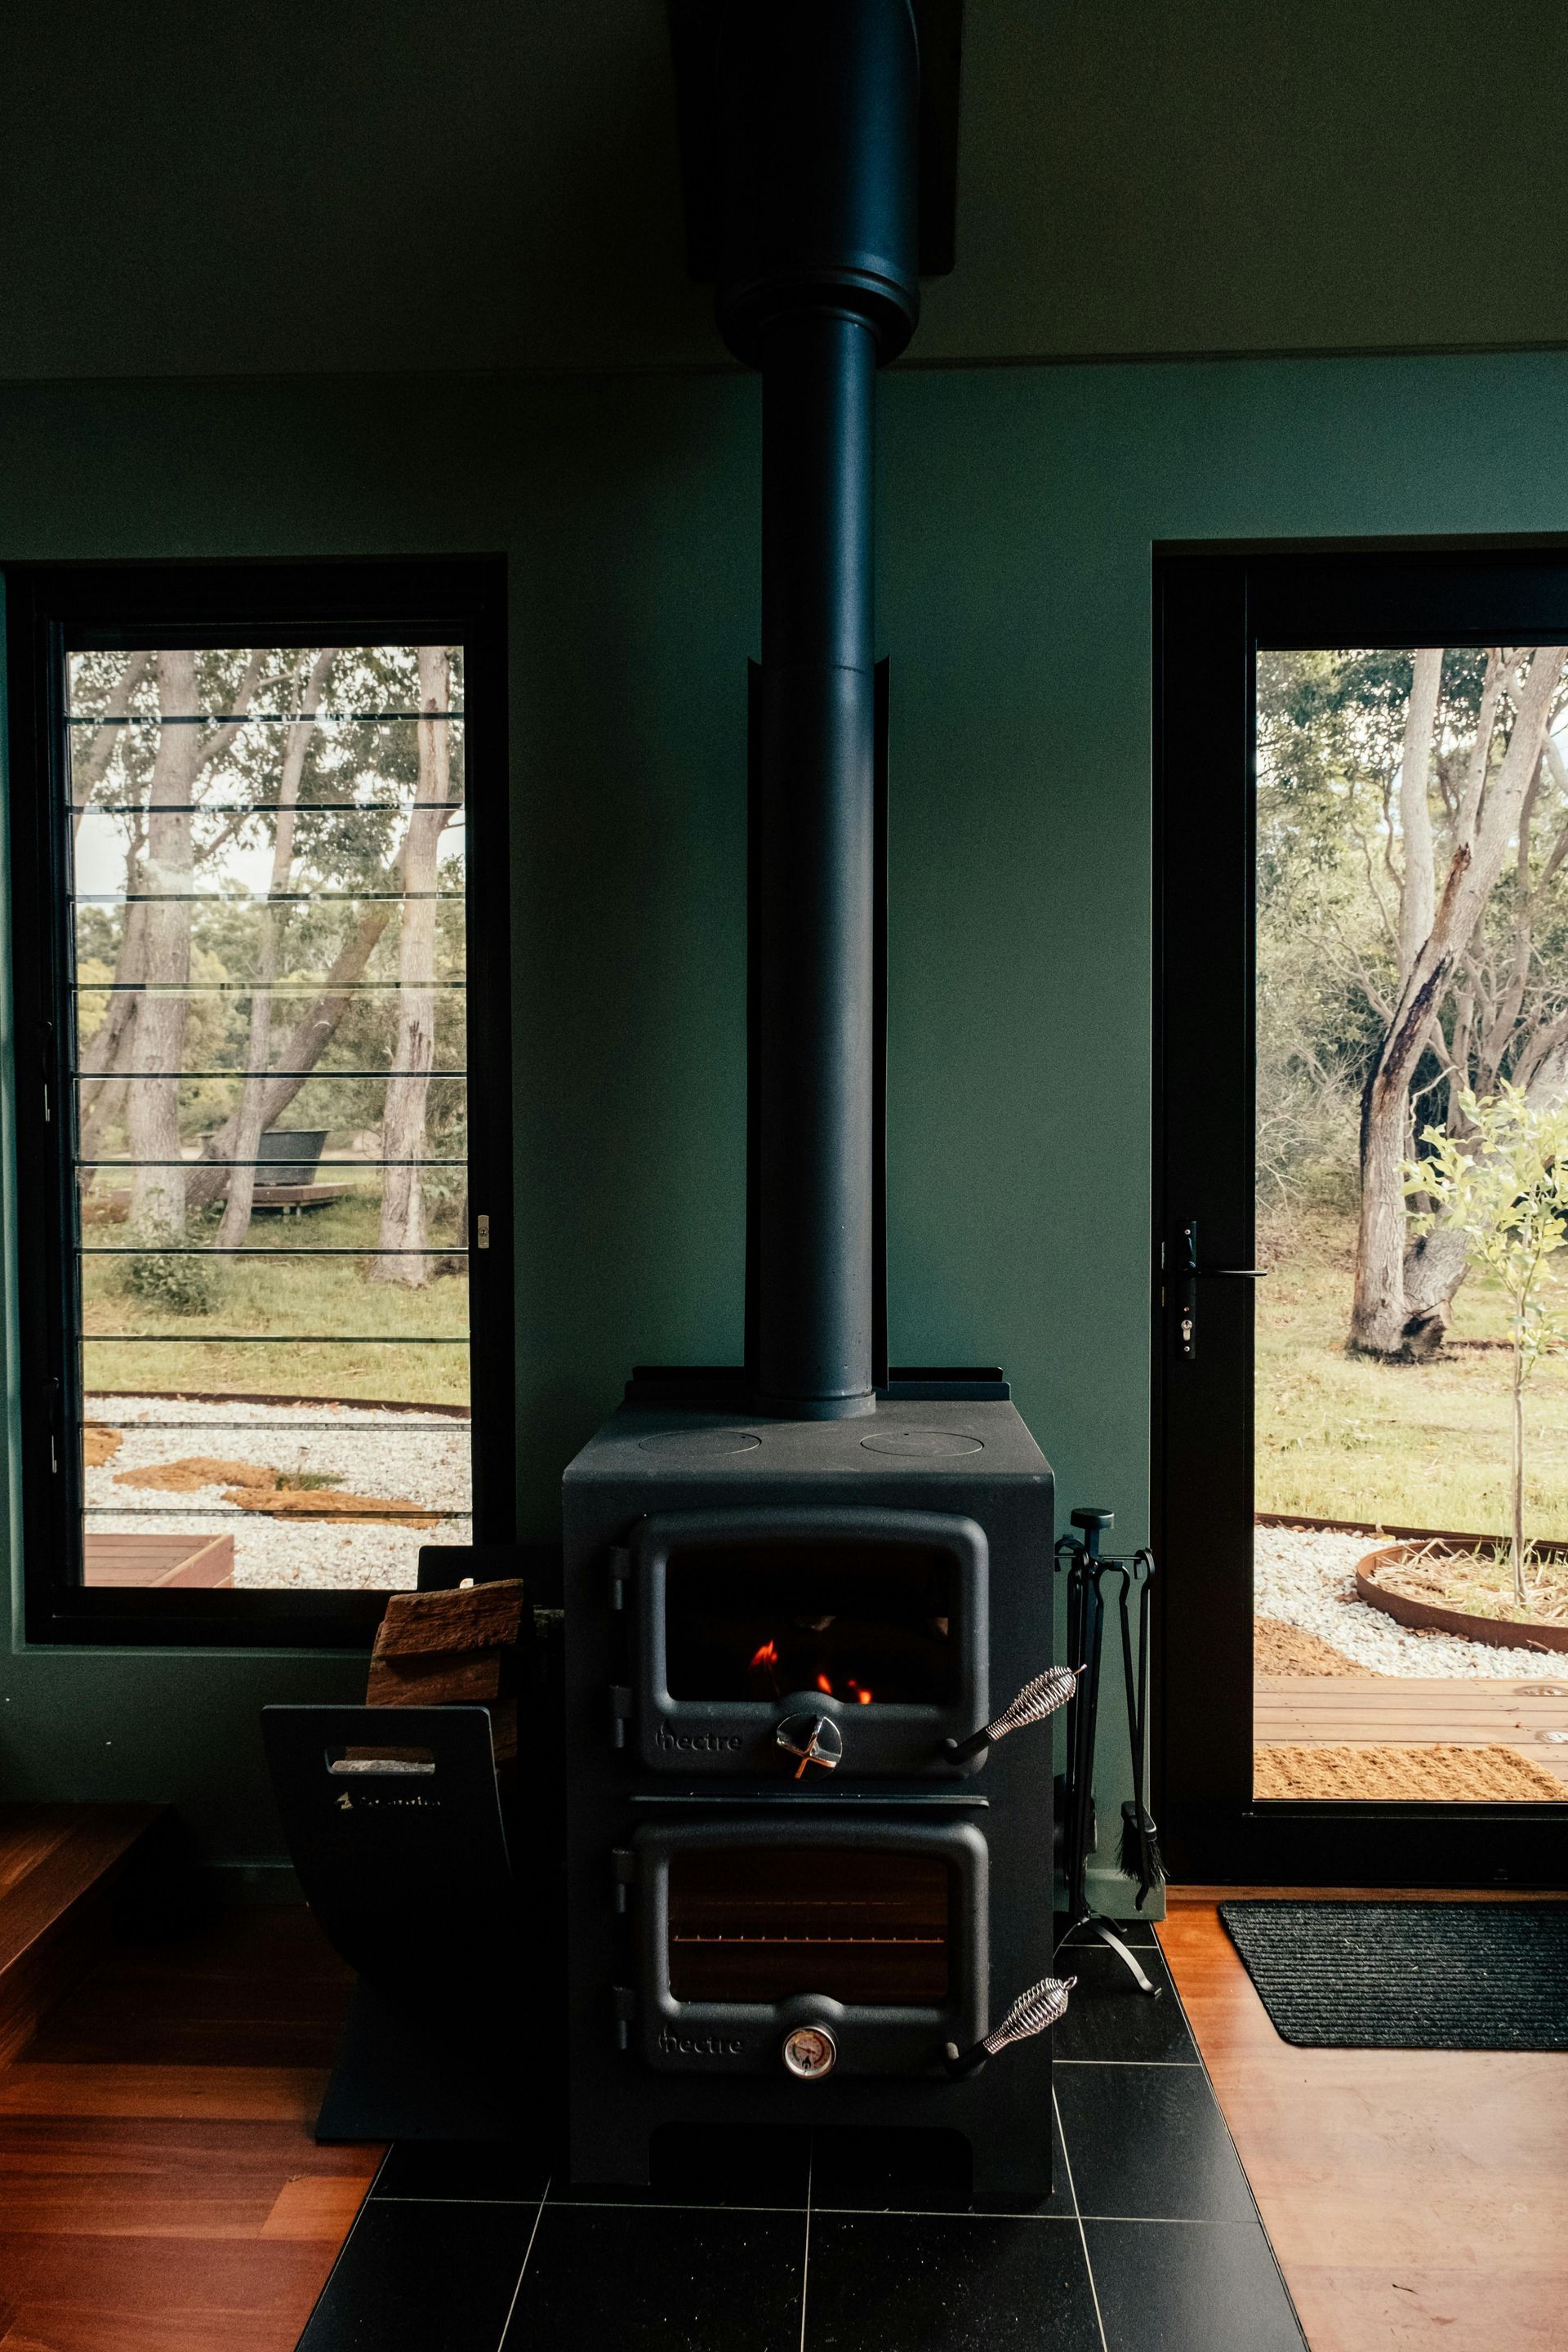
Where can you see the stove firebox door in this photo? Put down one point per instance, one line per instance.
(771, 1641)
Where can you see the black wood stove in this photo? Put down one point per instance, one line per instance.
(800, 1890)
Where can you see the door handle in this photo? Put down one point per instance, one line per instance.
(1190, 1271)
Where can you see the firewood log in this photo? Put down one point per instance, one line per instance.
(454, 1649)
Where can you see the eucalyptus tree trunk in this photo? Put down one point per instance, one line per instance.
(1417, 886)
(403, 1227)
(157, 1041)
(1390, 1318)
(154, 1055)
(1516, 1541)
(251, 1121)
(101, 1083)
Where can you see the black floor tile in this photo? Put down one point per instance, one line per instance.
(923, 2282)
(866, 2172)
(626, 2278)
(1108, 2017)
(423, 2278)
(1137, 1934)
(474, 2169)
(690, 2165)
(1189, 2287)
(1149, 2143)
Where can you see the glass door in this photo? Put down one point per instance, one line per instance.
(1363, 1435)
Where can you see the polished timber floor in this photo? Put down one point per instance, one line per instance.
(845, 2242)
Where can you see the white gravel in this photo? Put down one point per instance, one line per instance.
(1300, 1575)
(405, 1456)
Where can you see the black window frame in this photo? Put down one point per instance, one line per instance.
(54, 607)
(1216, 605)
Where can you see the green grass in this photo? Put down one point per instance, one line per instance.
(327, 1298)
(1418, 1445)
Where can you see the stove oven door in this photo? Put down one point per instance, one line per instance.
(773, 1948)
(796, 1645)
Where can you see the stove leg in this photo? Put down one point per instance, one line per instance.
(608, 2154)
(1106, 1934)
(1012, 2153)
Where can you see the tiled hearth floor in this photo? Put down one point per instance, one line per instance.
(841, 2242)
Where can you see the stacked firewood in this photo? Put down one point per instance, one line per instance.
(455, 1649)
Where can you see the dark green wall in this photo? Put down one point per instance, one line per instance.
(1020, 509)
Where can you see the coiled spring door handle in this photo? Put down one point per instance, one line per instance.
(1190, 1270)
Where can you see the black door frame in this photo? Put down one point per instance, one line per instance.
(1215, 606)
(348, 601)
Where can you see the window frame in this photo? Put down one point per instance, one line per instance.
(51, 608)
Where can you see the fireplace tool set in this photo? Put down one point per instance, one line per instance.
(1088, 1571)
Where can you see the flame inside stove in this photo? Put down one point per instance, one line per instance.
(863, 1695)
(824, 1685)
(768, 1656)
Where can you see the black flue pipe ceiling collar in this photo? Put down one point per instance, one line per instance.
(695, 29)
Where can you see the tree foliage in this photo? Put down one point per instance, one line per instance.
(227, 905)
(1412, 932)
(1501, 1183)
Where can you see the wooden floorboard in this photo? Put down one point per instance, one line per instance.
(160, 2188)
(1415, 2197)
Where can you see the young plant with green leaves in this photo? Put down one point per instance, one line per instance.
(1502, 1183)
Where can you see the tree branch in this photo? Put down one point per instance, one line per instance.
(106, 735)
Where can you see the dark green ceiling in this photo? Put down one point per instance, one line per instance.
(300, 185)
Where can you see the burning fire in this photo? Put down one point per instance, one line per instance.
(766, 1659)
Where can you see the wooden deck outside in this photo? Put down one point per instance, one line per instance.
(1388, 1710)
(149, 1559)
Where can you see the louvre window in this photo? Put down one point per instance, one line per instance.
(261, 1033)
(270, 1112)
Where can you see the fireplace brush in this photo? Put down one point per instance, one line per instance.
(1087, 1570)
(1043, 2004)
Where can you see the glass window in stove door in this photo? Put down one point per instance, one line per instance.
(857, 1621)
(764, 1923)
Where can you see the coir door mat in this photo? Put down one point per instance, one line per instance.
(1408, 1975)
(1438, 1774)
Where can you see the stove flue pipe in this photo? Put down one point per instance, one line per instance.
(817, 288)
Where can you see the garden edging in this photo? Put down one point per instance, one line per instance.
(1496, 1632)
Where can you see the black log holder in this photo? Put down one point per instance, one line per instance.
(1087, 1570)
(393, 1820)
(436, 1890)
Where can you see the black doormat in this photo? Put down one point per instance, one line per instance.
(1408, 1975)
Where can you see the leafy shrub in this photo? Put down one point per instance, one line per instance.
(167, 1273)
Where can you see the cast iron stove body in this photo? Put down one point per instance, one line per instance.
(718, 1901)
